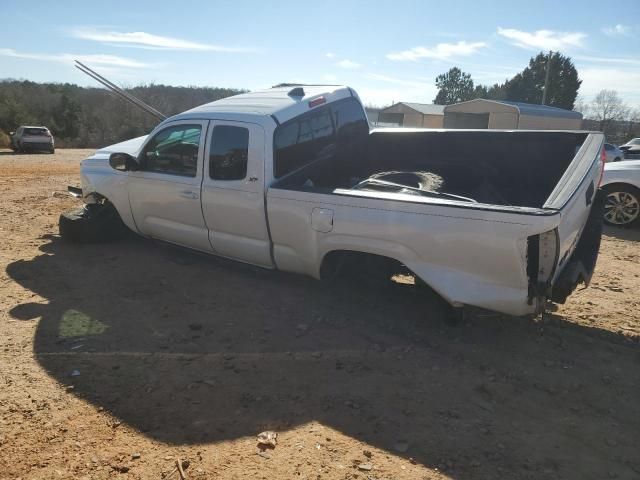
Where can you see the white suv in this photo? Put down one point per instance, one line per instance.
(32, 138)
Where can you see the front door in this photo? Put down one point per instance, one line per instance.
(165, 193)
(233, 192)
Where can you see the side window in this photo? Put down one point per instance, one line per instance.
(173, 151)
(303, 140)
(229, 153)
(350, 120)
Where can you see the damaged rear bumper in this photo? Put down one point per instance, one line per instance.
(582, 263)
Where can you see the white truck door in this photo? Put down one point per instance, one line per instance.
(233, 192)
(165, 193)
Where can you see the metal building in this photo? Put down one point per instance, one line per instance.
(504, 114)
(404, 114)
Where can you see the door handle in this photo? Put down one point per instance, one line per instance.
(189, 194)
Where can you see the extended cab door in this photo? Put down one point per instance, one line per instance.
(233, 192)
(165, 193)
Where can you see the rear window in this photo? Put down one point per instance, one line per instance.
(36, 131)
(316, 134)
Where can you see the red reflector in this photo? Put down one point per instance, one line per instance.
(317, 101)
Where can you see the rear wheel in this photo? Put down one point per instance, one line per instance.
(622, 205)
(92, 223)
(617, 159)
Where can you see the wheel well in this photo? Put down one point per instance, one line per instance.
(610, 186)
(339, 262)
(95, 197)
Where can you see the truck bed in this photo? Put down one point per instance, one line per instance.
(529, 196)
(514, 168)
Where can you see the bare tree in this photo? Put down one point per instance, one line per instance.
(581, 106)
(631, 127)
(606, 108)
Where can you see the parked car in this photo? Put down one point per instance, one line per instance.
(293, 179)
(613, 153)
(631, 149)
(27, 139)
(621, 185)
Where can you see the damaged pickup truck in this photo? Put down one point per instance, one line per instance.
(293, 179)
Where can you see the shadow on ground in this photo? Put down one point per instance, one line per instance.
(629, 234)
(188, 348)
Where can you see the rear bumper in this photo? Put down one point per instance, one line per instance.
(580, 267)
(37, 145)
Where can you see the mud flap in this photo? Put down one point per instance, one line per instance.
(582, 263)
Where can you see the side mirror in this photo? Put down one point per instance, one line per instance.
(123, 162)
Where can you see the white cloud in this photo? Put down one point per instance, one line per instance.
(399, 89)
(383, 97)
(329, 55)
(624, 81)
(68, 58)
(147, 40)
(543, 39)
(440, 51)
(348, 64)
(620, 60)
(616, 30)
(398, 81)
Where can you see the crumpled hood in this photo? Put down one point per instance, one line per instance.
(132, 147)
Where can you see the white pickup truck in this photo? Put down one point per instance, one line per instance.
(293, 179)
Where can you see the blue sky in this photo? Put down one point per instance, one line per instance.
(388, 51)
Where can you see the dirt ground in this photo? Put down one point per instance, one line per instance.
(118, 359)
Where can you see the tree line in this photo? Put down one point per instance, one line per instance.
(92, 117)
(527, 86)
(607, 112)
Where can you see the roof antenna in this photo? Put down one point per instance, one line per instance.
(120, 92)
(296, 92)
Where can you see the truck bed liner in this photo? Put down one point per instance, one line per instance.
(499, 168)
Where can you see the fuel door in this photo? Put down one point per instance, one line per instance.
(322, 220)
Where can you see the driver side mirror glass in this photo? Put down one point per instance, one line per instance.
(123, 162)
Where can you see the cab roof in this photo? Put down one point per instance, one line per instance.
(283, 103)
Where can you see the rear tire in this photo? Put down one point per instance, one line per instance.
(92, 223)
(622, 205)
(52, 151)
(617, 159)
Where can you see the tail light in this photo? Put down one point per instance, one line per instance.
(317, 101)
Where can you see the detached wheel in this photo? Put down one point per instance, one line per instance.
(92, 223)
(622, 205)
